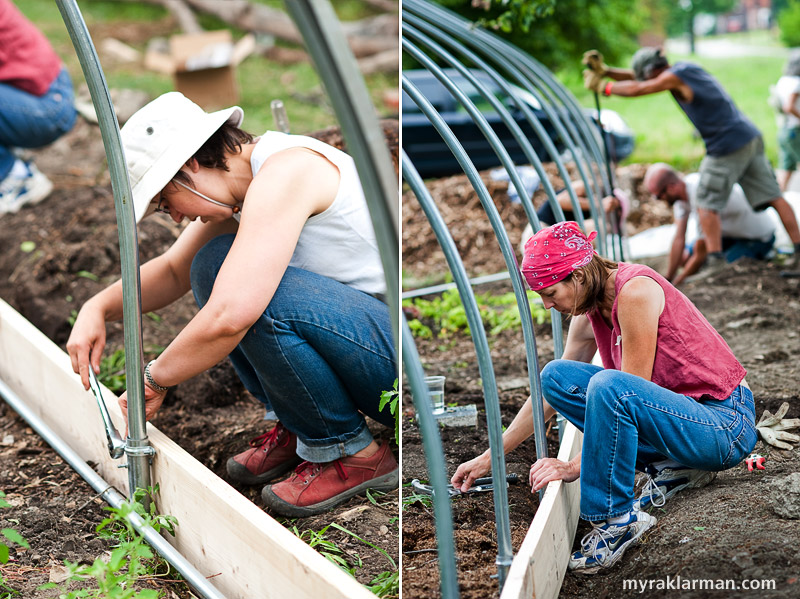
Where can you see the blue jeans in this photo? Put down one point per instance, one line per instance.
(28, 121)
(735, 248)
(319, 356)
(629, 422)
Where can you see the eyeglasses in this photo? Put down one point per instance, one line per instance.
(159, 208)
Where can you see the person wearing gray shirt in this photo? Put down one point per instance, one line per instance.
(734, 146)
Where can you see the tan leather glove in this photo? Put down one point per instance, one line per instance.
(594, 60)
(592, 81)
(773, 427)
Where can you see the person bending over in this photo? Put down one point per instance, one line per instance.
(745, 233)
(671, 398)
(282, 259)
(734, 146)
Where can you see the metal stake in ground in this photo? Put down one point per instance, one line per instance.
(616, 213)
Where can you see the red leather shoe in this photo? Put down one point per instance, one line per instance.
(317, 488)
(272, 454)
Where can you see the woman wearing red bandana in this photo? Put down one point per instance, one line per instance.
(670, 399)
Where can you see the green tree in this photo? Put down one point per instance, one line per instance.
(681, 15)
(558, 32)
(789, 23)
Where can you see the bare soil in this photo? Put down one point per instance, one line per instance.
(727, 531)
(211, 416)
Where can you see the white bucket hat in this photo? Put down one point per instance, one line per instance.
(161, 137)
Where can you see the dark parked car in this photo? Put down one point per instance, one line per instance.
(432, 158)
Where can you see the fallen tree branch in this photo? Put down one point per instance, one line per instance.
(380, 62)
(367, 36)
(183, 14)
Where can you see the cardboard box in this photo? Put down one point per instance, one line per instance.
(203, 66)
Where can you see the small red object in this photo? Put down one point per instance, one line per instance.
(756, 459)
(607, 90)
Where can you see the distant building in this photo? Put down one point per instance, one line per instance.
(750, 15)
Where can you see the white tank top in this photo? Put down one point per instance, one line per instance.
(338, 243)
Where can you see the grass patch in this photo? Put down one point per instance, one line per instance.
(663, 133)
(260, 80)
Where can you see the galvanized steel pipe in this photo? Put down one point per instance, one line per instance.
(434, 456)
(110, 495)
(137, 448)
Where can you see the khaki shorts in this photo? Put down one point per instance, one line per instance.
(747, 166)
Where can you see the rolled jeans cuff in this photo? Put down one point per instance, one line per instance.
(329, 452)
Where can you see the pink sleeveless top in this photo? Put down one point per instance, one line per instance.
(27, 60)
(691, 357)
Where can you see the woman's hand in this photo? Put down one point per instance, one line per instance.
(549, 469)
(468, 472)
(152, 403)
(87, 341)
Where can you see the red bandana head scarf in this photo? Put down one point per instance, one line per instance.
(554, 253)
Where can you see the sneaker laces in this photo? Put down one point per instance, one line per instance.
(308, 470)
(271, 438)
(654, 492)
(591, 543)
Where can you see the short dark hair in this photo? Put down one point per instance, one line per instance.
(228, 139)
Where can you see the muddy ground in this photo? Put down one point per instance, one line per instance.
(728, 531)
(211, 416)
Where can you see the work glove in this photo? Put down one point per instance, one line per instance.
(773, 427)
(592, 81)
(594, 60)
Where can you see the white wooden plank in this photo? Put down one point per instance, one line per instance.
(220, 532)
(539, 567)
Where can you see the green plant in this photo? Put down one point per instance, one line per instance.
(317, 540)
(87, 275)
(373, 495)
(414, 497)
(386, 584)
(498, 313)
(112, 371)
(131, 558)
(13, 537)
(392, 399)
(355, 536)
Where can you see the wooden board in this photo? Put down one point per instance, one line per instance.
(220, 532)
(539, 567)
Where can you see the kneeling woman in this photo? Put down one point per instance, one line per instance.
(671, 399)
(282, 260)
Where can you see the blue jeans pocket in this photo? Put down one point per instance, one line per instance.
(742, 445)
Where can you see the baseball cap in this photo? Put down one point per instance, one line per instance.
(646, 60)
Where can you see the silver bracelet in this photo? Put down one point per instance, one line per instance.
(149, 378)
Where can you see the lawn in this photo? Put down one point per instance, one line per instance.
(260, 80)
(663, 133)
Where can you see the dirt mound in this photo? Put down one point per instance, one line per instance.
(461, 209)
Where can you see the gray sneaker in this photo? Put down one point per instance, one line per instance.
(25, 184)
(663, 484)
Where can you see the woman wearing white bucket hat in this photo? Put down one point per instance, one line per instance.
(283, 262)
